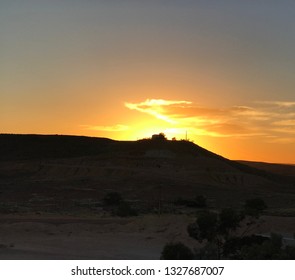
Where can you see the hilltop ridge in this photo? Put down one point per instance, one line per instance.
(58, 171)
(35, 146)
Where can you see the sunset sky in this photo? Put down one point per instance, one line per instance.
(224, 71)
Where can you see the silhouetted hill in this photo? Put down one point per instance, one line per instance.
(277, 168)
(65, 173)
(14, 146)
(20, 146)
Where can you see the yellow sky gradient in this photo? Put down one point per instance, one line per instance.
(222, 71)
(237, 132)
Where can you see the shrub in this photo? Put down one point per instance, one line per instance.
(254, 207)
(199, 201)
(125, 210)
(112, 198)
(229, 220)
(176, 251)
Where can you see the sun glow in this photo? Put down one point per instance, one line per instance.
(225, 130)
(156, 108)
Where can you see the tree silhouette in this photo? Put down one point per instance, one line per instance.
(219, 230)
(215, 228)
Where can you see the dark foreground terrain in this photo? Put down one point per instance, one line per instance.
(52, 191)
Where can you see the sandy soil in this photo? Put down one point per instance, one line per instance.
(104, 238)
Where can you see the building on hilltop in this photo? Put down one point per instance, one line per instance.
(160, 136)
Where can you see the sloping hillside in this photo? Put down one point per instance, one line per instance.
(281, 169)
(15, 147)
(63, 173)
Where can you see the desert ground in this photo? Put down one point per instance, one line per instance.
(52, 191)
(106, 238)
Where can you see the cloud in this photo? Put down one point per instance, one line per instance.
(253, 113)
(260, 119)
(286, 104)
(112, 128)
(156, 108)
(281, 140)
(159, 102)
(285, 123)
(285, 130)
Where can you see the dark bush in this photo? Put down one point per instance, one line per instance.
(233, 246)
(176, 251)
(199, 201)
(125, 210)
(112, 198)
(229, 220)
(254, 207)
(205, 227)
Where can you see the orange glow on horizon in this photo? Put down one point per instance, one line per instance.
(236, 132)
